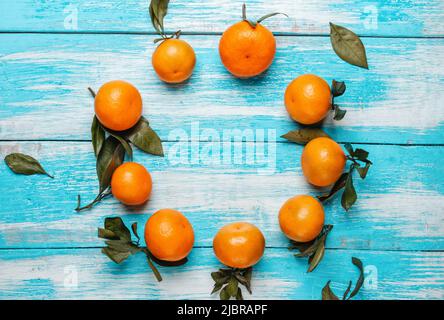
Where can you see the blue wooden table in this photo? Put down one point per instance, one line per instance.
(51, 51)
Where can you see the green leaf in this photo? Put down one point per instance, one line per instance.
(145, 138)
(317, 257)
(125, 144)
(134, 229)
(301, 246)
(304, 135)
(239, 295)
(247, 274)
(360, 154)
(107, 234)
(97, 135)
(217, 287)
(23, 164)
(122, 246)
(158, 10)
(349, 149)
(348, 46)
(116, 256)
(349, 196)
(363, 170)
(314, 249)
(116, 225)
(338, 88)
(232, 287)
(339, 184)
(357, 262)
(339, 113)
(224, 295)
(111, 156)
(306, 251)
(344, 296)
(327, 293)
(220, 277)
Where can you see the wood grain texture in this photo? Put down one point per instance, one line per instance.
(44, 80)
(48, 274)
(379, 17)
(400, 203)
(396, 227)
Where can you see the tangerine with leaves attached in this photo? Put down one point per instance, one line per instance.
(301, 218)
(247, 48)
(174, 60)
(322, 161)
(118, 105)
(308, 99)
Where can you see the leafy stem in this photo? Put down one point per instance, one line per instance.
(337, 89)
(175, 35)
(100, 197)
(158, 10)
(227, 281)
(314, 249)
(360, 163)
(255, 23)
(120, 244)
(328, 294)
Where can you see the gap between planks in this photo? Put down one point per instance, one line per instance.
(197, 33)
(210, 247)
(247, 141)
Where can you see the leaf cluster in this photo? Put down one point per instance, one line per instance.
(328, 294)
(228, 281)
(119, 243)
(314, 249)
(158, 10)
(361, 164)
(337, 89)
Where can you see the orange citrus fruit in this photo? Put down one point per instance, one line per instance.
(323, 161)
(118, 105)
(169, 236)
(131, 183)
(308, 99)
(247, 51)
(239, 245)
(174, 60)
(301, 218)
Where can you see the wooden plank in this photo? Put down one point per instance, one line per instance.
(393, 18)
(44, 80)
(52, 274)
(400, 203)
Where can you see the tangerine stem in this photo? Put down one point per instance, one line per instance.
(92, 92)
(269, 16)
(99, 198)
(151, 264)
